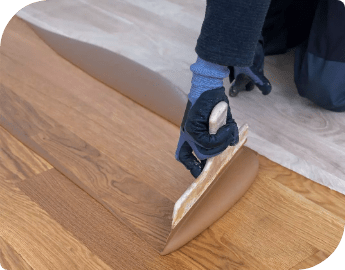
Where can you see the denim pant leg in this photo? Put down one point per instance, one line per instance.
(231, 30)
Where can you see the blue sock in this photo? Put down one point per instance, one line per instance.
(206, 76)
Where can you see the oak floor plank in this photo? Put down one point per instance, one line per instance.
(85, 83)
(148, 212)
(10, 259)
(323, 196)
(47, 188)
(299, 245)
(24, 119)
(89, 222)
(96, 95)
(214, 250)
(105, 119)
(16, 160)
(154, 232)
(142, 207)
(298, 225)
(41, 241)
(70, 207)
(102, 233)
(59, 139)
(213, 254)
(140, 159)
(306, 219)
(313, 260)
(278, 226)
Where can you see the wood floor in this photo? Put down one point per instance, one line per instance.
(88, 180)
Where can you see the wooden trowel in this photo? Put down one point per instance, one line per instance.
(221, 184)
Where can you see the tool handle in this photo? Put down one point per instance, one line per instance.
(218, 117)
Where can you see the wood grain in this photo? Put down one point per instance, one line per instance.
(40, 240)
(216, 251)
(323, 196)
(150, 166)
(265, 228)
(10, 259)
(295, 211)
(81, 215)
(140, 206)
(89, 222)
(47, 189)
(24, 118)
(16, 160)
(101, 232)
(313, 260)
(104, 119)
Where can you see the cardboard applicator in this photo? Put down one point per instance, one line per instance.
(221, 184)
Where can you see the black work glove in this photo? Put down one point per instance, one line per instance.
(195, 136)
(247, 77)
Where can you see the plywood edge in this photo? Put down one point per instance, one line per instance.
(222, 194)
(212, 168)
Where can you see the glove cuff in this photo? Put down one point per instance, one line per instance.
(206, 76)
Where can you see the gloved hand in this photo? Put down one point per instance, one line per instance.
(194, 131)
(247, 77)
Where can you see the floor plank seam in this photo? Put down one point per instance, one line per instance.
(28, 144)
(105, 128)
